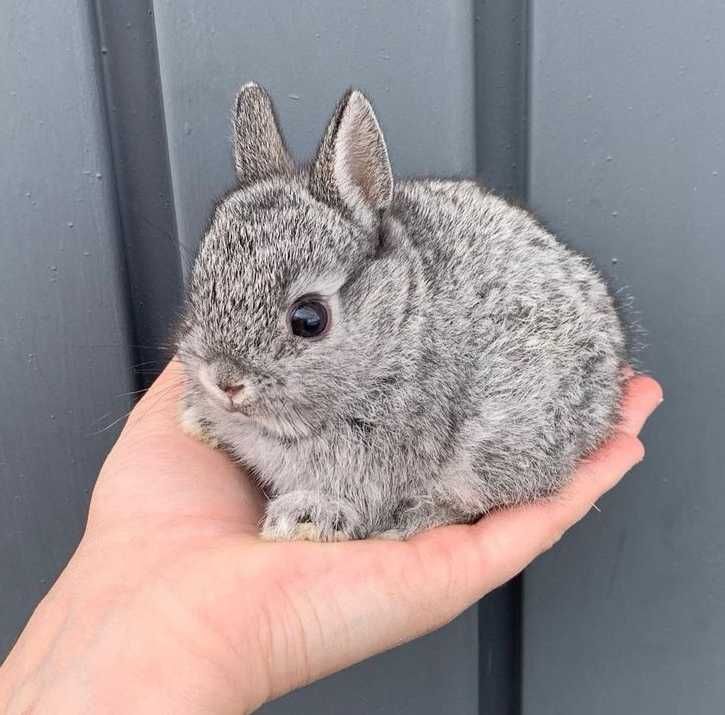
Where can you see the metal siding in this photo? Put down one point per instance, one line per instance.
(627, 162)
(63, 327)
(624, 160)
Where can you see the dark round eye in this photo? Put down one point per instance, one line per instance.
(309, 318)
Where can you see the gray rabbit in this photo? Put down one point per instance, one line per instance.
(388, 356)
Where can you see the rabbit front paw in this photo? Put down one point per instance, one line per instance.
(197, 427)
(310, 516)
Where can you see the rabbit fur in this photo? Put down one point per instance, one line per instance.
(471, 358)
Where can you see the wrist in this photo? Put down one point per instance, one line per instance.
(22, 672)
(86, 649)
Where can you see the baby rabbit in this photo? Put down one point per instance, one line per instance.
(383, 355)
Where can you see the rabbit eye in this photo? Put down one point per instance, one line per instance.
(309, 318)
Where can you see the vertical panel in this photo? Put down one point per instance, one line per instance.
(62, 322)
(501, 52)
(141, 168)
(501, 44)
(415, 59)
(627, 162)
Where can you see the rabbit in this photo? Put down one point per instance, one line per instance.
(387, 356)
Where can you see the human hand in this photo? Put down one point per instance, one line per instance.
(172, 602)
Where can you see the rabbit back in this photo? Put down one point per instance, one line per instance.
(528, 338)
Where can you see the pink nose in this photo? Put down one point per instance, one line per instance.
(232, 390)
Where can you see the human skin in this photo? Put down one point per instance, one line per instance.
(172, 602)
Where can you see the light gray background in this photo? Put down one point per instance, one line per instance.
(114, 117)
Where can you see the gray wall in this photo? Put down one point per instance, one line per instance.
(114, 132)
(627, 162)
(64, 329)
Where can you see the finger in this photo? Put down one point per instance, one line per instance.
(481, 557)
(510, 539)
(527, 530)
(642, 395)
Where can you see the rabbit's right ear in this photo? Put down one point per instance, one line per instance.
(352, 168)
(259, 150)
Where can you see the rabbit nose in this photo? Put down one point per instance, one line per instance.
(231, 390)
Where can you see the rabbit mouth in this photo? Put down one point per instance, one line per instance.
(261, 405)
(264, 411)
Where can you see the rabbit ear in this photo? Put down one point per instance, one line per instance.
(352, 168)
(259, 150)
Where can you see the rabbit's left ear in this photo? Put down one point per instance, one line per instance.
(259, 150)
(352, 168)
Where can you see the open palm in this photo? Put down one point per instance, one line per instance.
(172, 602)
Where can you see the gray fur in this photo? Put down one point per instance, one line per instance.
(471, 361)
